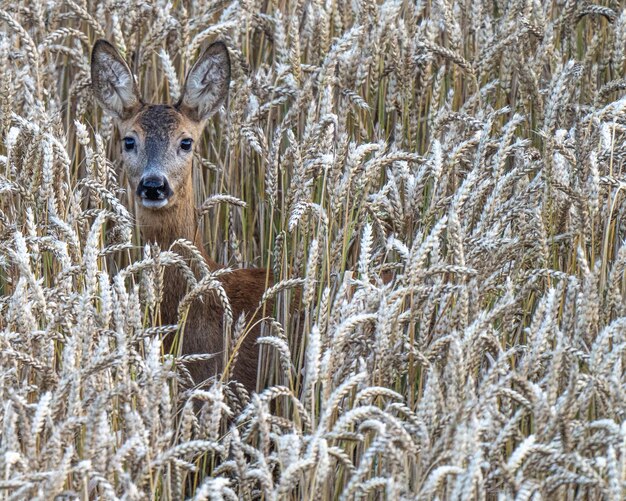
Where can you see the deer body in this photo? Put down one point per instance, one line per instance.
(203, 332)
(157, 153)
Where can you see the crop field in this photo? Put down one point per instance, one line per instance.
(436, 189)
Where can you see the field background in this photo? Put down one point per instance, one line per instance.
(472, 150)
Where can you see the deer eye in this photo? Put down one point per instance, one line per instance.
(185, 144)
(129, 143)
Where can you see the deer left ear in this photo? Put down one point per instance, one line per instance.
(112, 81)
(206, 86)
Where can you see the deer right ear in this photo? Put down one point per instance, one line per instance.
(112, 81)
(206, 86)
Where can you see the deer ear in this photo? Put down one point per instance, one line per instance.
(112, 81)
(206, 86)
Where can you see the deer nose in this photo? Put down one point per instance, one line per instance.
(154, 187)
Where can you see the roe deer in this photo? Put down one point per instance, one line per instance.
(157, 152)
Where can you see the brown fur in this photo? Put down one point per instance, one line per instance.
(203, 327)
(157, 130)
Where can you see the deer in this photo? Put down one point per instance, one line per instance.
(157, 145)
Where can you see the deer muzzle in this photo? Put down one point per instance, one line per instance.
(154, 191)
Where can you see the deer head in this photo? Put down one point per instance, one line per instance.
(158, 139)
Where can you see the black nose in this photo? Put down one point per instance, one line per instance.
(154, 188)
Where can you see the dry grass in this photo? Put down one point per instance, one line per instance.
(475, 149)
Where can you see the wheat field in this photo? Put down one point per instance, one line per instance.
(471, 151)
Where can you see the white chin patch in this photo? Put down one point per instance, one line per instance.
(153, 204)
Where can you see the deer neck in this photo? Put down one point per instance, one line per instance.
(180, 221)
(165, 227)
